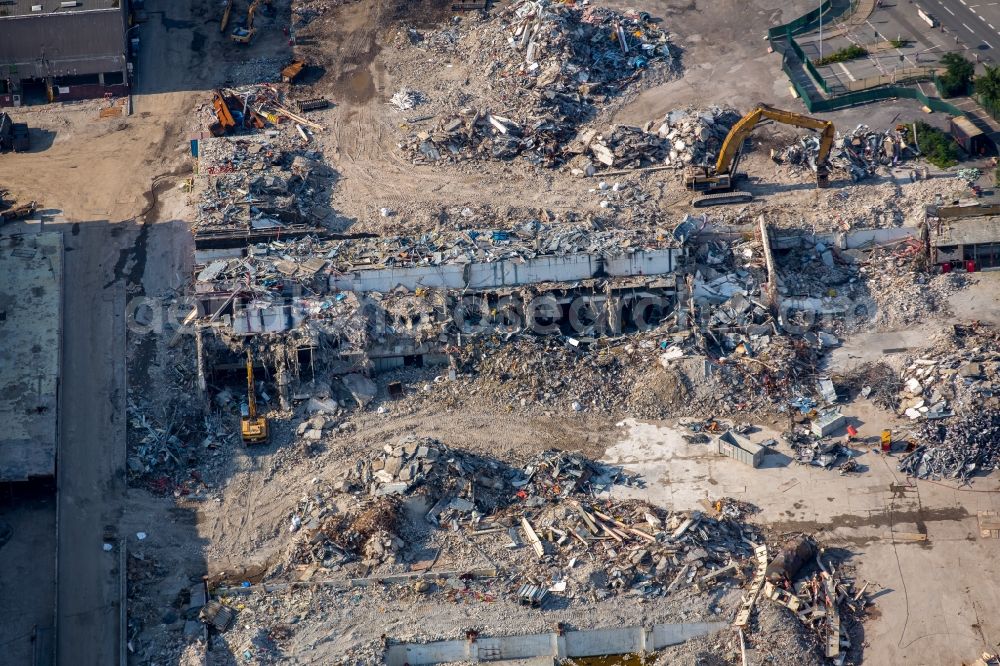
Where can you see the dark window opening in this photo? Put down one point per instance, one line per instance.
(77, 80)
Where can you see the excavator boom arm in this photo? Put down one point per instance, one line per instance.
(251, 397)
(741, 130)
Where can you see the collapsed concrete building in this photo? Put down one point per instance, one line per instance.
(356, 307)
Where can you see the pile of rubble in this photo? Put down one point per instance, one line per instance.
(565, 52)
(965, 446)
(876, 381)
(957, 374)
(822, 597)
(854, 289)
(169, 443)
(427, 466)
(306, 257)
(952, 390)
(818, 451)
(549, 66)
(262, 183)
(550, 519)
(859, 152)
(632, 546)
(682, 138)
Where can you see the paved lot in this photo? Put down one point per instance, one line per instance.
(969, 28)
(931, 609)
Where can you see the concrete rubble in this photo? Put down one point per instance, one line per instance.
(952, 392)
(680, 139)
(550, 66)
(545, 515)
(860, 152)
(265, 183)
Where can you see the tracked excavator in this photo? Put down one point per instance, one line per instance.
(253, 428)
(244, 34)
(719, 184)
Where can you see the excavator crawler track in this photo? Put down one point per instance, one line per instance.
(722, 199)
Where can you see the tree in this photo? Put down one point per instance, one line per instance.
(958, 75)
(988, 87)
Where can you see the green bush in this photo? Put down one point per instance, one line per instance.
(848, 53)
(937, 147)
(899, 43)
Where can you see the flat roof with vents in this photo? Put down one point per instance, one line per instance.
(18, 8)
(30, 329)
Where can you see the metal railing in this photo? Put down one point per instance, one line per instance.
(905, 75)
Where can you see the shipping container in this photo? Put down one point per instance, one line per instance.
(742, 449)
(969, 137)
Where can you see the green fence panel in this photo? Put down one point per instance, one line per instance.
(798, 49)
(798, 25)
(991, 108)
(802, 92)
(815, 105)
(817, 77)
(888, 92)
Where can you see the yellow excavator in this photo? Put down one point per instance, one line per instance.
(225, 15)
(252, 427)
(244, 34)
(719, 184)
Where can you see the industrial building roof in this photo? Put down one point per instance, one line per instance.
(967, 231)
(14, 8)
(62, 44)
(30, 328)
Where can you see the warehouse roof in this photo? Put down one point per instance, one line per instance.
(30, 328)
(15, 8)
(968, 231)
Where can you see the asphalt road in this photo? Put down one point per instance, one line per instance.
(976, 24)
(91, 458)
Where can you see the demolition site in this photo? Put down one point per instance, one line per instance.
(526, 332)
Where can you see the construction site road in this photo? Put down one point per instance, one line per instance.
(91, 456)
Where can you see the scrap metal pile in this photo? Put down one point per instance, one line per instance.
(859, 152)
(954, 392)
(818, 452)
(550, 64)
(964, 446)
(253, 107)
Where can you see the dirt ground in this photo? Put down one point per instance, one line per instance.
(233, 522)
